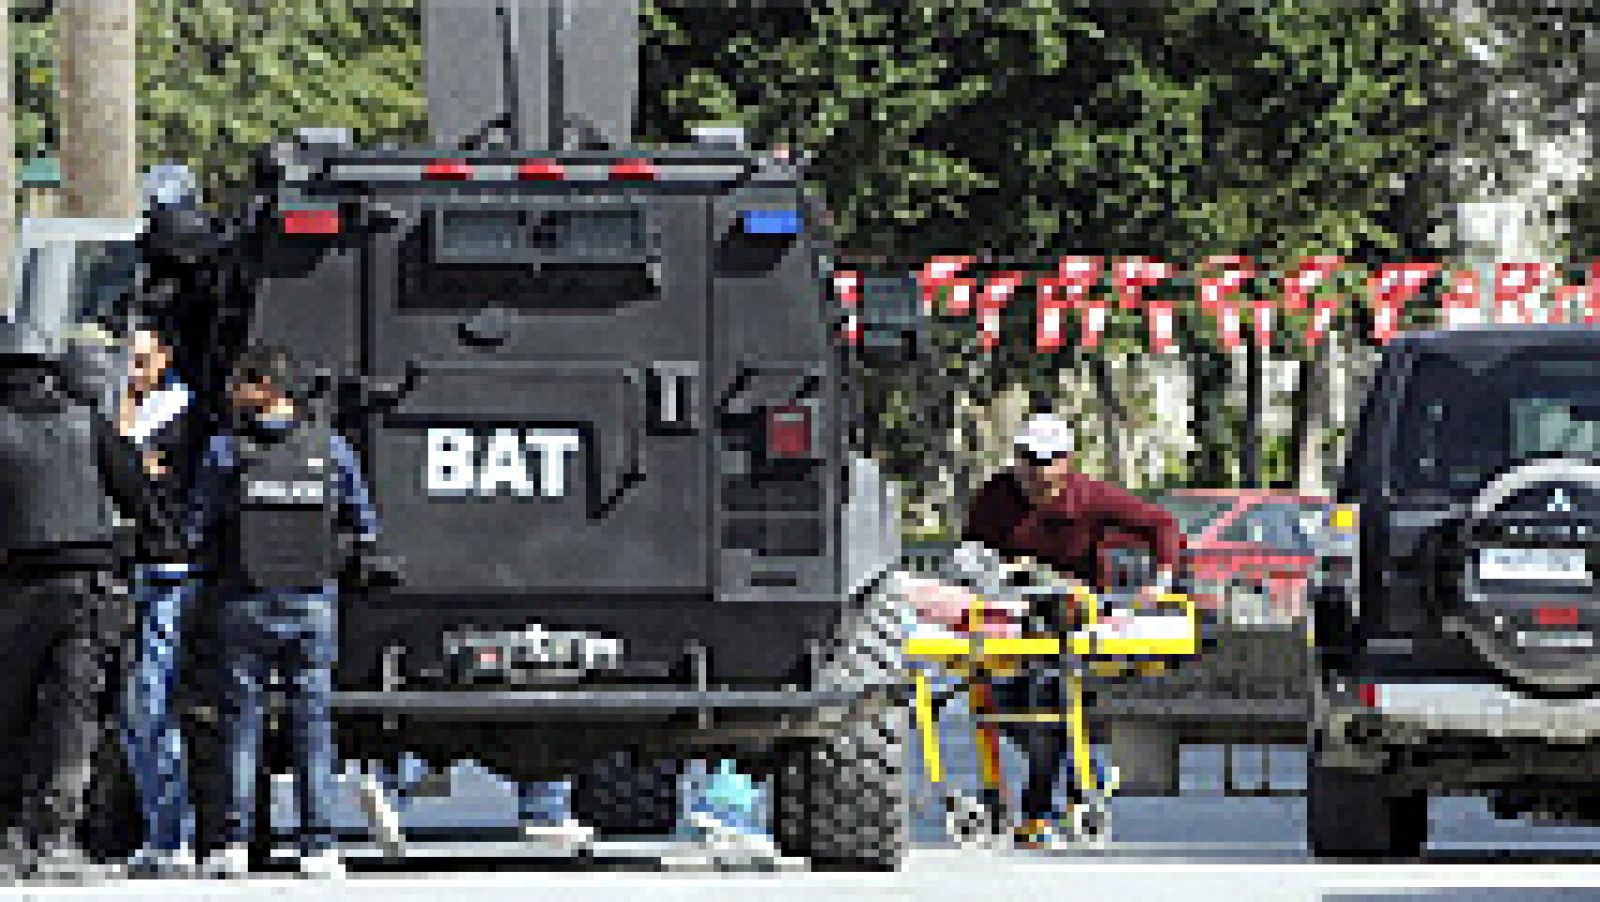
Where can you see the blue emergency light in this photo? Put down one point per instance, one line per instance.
(772, 222)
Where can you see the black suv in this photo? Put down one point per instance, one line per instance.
(1454, 604)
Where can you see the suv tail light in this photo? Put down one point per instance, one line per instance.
(789, 432)
(1368, 694)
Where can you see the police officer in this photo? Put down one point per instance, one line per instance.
(62, 466)
(269, 495)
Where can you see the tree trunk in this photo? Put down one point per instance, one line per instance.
(1250, 457)
(96, 80)
(8, 166)
(1310, 419)
(1113, 419)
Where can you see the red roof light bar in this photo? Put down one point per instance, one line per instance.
(541, 171)
(633, 171)
(447, 170)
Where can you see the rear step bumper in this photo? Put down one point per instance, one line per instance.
(1420, 710)
(654, 701)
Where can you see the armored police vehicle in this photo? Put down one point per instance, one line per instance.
(597, 392)
(1454, 608)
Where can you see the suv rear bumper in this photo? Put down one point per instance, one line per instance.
(1460, 736)
(1421, 710)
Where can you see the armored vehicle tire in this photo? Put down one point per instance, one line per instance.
(622, 796)
(841, 801)
(1353, 815)
(112, 828)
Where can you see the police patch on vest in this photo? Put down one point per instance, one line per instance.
(514, 462)
(274, 491)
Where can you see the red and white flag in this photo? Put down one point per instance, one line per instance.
(1566, 304)
(996, 294)
(1216, 290)
(1390, 288)
(1591, 295)
(1264, 324)
(1160, 318)
(1049, 315)
(1514, 285)
(1094, 323)
(847, 288)
(938, 273)
(1132, 275)
(1307, 276)
(1228, 326)
(1075, 276)
(1462, 306)
(1323, 311)
(958, 297)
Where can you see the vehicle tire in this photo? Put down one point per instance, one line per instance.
(1350, 814)
(112, 828)
(622, 796)
(840, 801)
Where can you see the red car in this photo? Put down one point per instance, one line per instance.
(1247, 553)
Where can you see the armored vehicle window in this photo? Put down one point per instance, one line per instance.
(1460, 426)
(472, 260)
(532, 236)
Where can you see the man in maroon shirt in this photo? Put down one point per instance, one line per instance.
(1045, 510)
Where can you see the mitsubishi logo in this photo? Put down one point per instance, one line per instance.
(1559, 502)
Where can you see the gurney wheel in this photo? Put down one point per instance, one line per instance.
(1092, 824)
(968, 822)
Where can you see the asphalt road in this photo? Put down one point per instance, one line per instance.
(1200, 845)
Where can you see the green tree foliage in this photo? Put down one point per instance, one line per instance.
(1185, 129)
(219, 80)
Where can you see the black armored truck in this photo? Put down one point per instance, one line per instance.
(1455, 603)
(598, 394)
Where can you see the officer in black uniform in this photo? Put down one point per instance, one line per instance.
(62, 468)
(268, 502)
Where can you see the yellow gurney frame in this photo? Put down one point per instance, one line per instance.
(974, 658)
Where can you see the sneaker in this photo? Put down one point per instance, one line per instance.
(148, 862)
(1110, 779)
(323, 865)
(569, 832)
(66, 861)
(228, 862)
(1036, 833)
(382, 816)
(712, 830)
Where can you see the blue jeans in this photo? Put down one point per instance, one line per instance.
(296, 633)
(150, 728)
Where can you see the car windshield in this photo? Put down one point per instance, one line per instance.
(1463, 425)
(1193, 514)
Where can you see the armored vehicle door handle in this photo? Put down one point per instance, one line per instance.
(674, 396)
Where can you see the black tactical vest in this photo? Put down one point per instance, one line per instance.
(51, 493)
(282, 531)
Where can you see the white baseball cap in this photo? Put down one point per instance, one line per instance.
(1044, 436)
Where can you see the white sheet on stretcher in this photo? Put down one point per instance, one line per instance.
(1142, 626)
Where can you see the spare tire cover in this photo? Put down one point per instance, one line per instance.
(1551, 503)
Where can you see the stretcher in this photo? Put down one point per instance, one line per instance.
(1113, 637)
